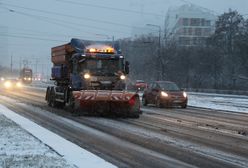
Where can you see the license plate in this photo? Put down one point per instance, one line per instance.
(93, 78)
(177, 101)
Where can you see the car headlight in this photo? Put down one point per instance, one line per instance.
(86, 76)
(164, 94)
(8, 84)
(184, 94)
(123, 77)
(19, 84)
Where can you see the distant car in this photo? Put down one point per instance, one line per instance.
(164, 94)
(140, 85)
(12, 84)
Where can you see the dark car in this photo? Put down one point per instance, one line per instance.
(140, 85)
(164, 94)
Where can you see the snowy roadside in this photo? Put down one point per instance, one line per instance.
(26, 144)
(18, 148)
(233, 103)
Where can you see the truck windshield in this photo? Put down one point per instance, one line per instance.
(102, 66)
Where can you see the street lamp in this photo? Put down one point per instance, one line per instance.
(159, 51)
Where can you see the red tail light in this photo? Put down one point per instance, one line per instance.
(132, 101)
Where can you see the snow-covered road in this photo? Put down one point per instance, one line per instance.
(26, 144)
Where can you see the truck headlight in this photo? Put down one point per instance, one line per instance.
(164, 94)
(7, 84)
(123, 77)
(19, 84)
(86, 76)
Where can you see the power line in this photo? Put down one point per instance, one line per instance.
(71, 16)
(110, 8)
(35, 38)
(42, 32)
(58, 21)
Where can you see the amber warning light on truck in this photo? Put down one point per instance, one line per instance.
(100, 49)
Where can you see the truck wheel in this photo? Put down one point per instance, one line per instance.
(48, 96)
(135, 109)
(53, 102)
(71, 106)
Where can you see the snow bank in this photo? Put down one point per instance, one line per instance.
(20, 149)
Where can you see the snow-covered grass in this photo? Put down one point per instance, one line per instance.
(234, 103)
(38, 147)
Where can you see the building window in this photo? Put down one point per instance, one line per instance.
(184, 40)
(190, 31)
(180, 31)
(185, 21)
(207, 23)
(202, 22)
(184, 31)
(195, 22)
(207, 31)
(198, 32)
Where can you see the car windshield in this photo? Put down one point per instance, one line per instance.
(103, 66)
(140, 81)
(169, 86)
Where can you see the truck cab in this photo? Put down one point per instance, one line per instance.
(99, 68)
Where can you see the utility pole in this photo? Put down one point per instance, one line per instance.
(11, 63)
(113, 41)
(159, 60)
(20, 63)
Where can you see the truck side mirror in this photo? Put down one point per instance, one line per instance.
(127, 67)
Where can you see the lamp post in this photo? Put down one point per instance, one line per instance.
(159, 51)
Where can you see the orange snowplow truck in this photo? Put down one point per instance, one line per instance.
(90, 79)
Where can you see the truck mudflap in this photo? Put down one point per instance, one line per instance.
(107, 102)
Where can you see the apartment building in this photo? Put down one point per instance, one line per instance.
(189, 25)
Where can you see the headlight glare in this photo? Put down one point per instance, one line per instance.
(184, 94)
(164, 94)
(123, 77)
(7, 84)
(86, 76)
(19, 84)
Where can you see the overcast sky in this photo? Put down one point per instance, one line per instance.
(29, 28)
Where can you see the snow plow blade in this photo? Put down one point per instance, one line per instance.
(107, 102)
